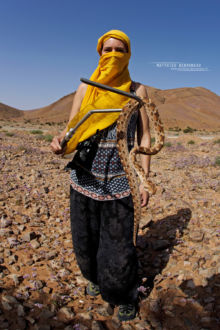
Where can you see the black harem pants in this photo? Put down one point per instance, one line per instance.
(102, 233)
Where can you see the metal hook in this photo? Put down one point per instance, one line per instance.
(72, 131)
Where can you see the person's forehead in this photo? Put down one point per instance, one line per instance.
(113, 41)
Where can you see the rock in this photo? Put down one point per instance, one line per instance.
(29, 319)
(105, 310)
(63, 272)
(97, 325)
(4, 223)
(196, 236)
(6, 306)
(36, 285)
(142, 325)
(44, 327)
(21, 323)
(51, 255)
(46, 314)
(20, 310)
(12, 241)
(160, 245)
(15, 279)
(190, 284)
(65, 314)
(85, 316)
(27, 237)
(9, 299)
(179, 301)
(35, 244)
(12, 259)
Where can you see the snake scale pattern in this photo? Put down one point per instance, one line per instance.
(129, 160)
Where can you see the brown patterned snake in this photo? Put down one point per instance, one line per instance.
(129, 160)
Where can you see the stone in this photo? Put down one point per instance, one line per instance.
(35, 244)
(196, 236)
(27, 237)
(46, 314)
(4, 223)
(15, 278)
(105, 310)
(65, 314)
(20, 310)
(85, 316)
(51, 255)
(97, 325)
(12, 259)
(9, 299)
(160, 245)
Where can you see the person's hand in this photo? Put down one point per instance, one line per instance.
(55, 145)
(144, 196)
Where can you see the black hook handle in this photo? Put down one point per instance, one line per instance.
(111, 89)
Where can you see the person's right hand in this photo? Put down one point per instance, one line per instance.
(55, 145)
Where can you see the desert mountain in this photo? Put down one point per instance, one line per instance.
(196, 107)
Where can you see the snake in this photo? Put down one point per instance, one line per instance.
(129, 160)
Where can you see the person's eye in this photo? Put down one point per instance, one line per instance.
(121, 50)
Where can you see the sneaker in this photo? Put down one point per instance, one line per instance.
(92, 289)
(126, 312)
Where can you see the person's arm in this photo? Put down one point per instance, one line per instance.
(144, 140)
(80, 93)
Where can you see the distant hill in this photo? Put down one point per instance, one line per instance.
(196, 107)
(7, 112)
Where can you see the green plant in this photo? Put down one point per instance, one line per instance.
(167, 144)
(48, 137)
(217, 160)
(36, 131)
(9, 134)
(189, 130)
(216, 141)
(175, 129)
(191, 142)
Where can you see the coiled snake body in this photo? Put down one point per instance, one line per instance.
(129, 160)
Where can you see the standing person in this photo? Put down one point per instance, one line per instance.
(101, 207)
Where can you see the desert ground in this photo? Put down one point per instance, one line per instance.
(41, 286)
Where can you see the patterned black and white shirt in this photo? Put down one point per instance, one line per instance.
(101, 176)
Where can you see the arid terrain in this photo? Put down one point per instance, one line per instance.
(41, 286)
(196, 107)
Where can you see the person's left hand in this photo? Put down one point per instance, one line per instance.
(144, 196)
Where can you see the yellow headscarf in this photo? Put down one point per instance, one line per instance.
(113, 71)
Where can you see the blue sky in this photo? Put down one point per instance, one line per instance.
(47, 45)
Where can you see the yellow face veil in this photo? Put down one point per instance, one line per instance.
(112, 70)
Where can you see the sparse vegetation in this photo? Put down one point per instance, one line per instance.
(167, 144)
(191, 142)
(217, 161)
(48, 137)
(175, 129)
(9, 134)
(216, 141)
(189, 130)
(36, 131)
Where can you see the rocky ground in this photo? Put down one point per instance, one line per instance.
(41, 286)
